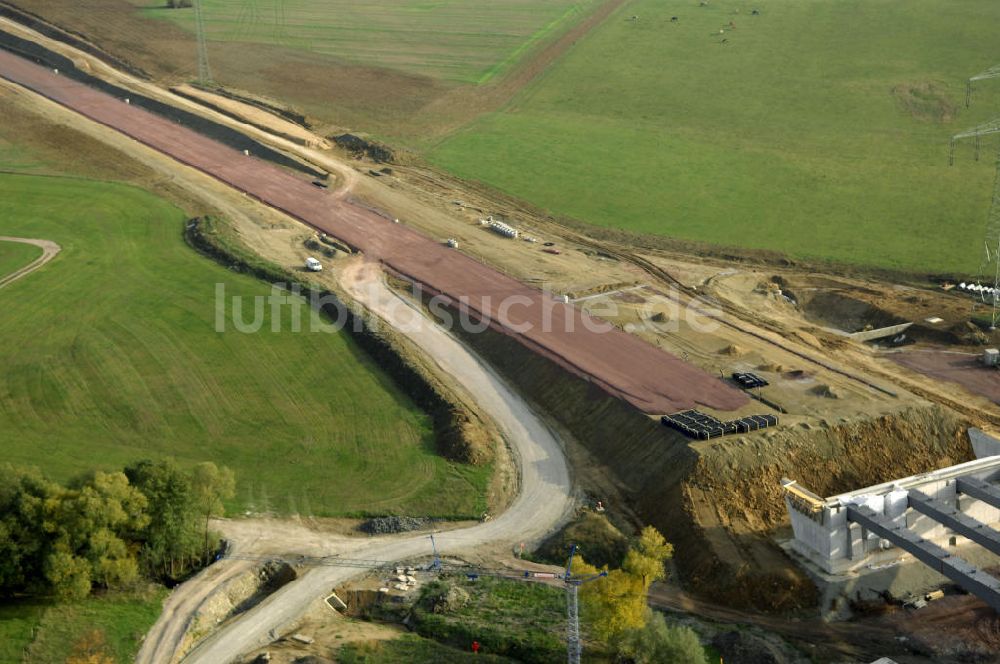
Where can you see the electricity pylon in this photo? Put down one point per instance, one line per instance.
(992, 72)
(204, 71)
(991, 259)
(574, 647)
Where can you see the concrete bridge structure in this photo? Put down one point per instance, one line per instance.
(927, 517)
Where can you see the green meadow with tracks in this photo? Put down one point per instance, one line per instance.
(464, 41)
(817, 129)
(111, 355)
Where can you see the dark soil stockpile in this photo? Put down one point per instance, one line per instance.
(833, 309)
(390, 525)
(361, 147)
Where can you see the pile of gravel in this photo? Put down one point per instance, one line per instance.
(387, 525)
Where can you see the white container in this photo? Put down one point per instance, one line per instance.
(991, 357)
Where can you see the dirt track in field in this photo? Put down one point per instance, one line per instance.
(619, 363)
(335, 94)
(49, 251)
(460, 106)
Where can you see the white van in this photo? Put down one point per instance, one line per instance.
(313, 265)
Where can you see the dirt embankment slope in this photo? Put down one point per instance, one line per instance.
(720, 501)
(734, 497)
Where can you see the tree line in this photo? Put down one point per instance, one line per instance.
(617, 613)
(106, 529)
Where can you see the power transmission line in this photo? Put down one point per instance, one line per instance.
(574, 646)
(204, 71)
(992, 240)
(992, 72)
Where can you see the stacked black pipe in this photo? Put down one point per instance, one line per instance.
(695, 424)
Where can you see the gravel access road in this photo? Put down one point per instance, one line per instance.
(543, 503)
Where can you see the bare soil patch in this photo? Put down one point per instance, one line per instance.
(965, 369)
(926, 101)
(843, 312)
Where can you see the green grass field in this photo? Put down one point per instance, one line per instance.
(819, 129)
(43, 631)
(15, 255)
(412, 649)
(468, 41)
(110, 355)
(16, 159)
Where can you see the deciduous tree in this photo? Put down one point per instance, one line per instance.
(659, 643)
(212, 486)
(646, 556)
(617, 603)
(172, 536)
(23, 492)
(91, 525)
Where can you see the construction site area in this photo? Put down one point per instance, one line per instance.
(815, 440)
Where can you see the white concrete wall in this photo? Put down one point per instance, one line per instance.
(836, 546)
(983, 444)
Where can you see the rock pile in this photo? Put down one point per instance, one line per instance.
(388, 525)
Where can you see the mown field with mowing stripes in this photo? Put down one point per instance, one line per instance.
(15, 255)
(110, 355)
(459, 40)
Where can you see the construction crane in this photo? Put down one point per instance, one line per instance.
(574, 647)
(204, 71)
(992, 72)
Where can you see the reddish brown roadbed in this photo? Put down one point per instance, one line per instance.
(620, 363)
(965, 369)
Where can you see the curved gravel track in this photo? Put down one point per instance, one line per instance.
(49, 251)
(543, 503)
